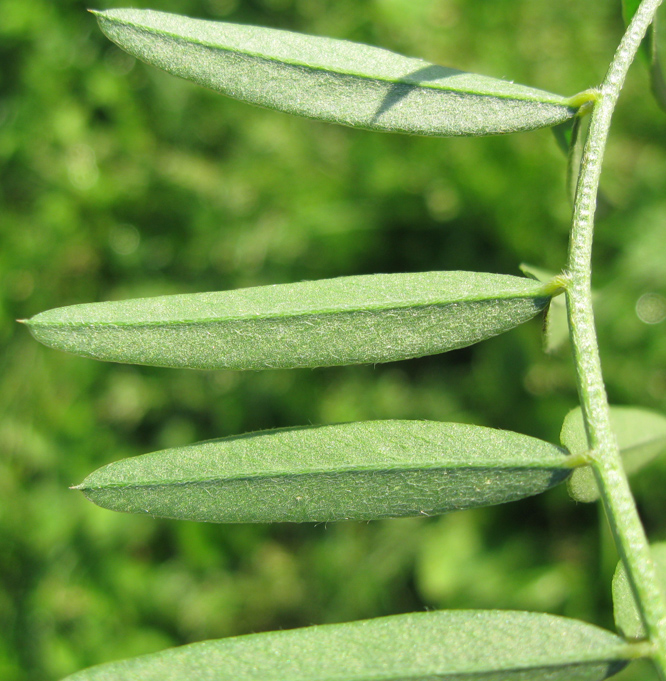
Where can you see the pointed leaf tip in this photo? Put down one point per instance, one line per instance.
(351, 471)
(331, 322)
(332, 80)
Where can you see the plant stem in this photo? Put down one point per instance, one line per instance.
(604, 454)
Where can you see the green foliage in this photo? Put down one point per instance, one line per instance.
(119, 183)
(650, 51)
(352, 320)
(354, 471)
(458, 645)
(556, 325)
(641, 436)
(333, 80)
(627, 615)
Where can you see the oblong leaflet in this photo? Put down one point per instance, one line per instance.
(359, 471)
(349, 320)
(454, 645)
(332, 80)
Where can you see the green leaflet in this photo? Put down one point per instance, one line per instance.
(358, 471)
(454, 645)
(571, 142)
(627, 617)
(556, 324)
(650, 51)
(641, 436)
(350, 320)
(332, 80)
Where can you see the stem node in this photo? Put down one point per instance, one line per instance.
(606, 463)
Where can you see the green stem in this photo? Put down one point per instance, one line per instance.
(604, 454)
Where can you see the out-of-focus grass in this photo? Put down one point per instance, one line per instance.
(117, 181)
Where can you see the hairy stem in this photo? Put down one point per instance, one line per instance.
(604, 454)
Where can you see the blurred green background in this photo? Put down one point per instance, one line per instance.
(120, 181)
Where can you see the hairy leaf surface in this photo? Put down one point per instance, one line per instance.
(332, 80)
(627, 617)
(454, 645)
(359, 471)
(350, 320)
(641, 436)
